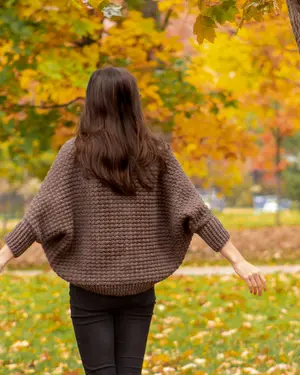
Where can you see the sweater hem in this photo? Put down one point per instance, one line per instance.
(116, 290)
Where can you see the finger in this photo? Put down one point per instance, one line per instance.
(258, 283)
(248, 281)
(264, 282)
(253, 282)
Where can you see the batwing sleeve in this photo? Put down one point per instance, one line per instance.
(49, 215)
(188, 207)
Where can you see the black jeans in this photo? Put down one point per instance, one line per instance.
(111, 331)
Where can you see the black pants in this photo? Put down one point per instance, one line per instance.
(111, 331)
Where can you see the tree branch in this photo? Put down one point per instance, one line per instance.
(150, 10)
(167, 18)
(42, 106)
(288, 80)
(85, 41)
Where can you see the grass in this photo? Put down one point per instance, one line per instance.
(202, 325)
(241, 218)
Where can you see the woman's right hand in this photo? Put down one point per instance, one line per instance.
(251, 275)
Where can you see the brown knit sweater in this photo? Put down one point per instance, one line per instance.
(113, 244)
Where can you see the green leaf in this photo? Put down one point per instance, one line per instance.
(204, 28)
(81, 27)
(103, 4)
(226, 11)
(135, 4)
(6, 74)
(255, 10)
(51, 69)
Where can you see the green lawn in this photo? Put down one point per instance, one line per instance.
(238, 218)
(202, 325)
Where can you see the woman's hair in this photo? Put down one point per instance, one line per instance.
(113, 142)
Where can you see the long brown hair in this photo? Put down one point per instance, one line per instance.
(113, 142)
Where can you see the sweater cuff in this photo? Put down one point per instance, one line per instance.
(214, 234)
(20, 238)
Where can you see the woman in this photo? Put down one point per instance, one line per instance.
(115, 215)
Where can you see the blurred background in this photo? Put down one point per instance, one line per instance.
(220, 81)
(225, 98)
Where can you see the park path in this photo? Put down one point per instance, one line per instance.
(206, 270)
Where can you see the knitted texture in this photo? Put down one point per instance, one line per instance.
(109, 243)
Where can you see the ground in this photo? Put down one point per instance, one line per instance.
(202, 325)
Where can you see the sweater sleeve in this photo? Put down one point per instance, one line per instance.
(49, 213)
(189, 208)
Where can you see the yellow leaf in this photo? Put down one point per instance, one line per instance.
(95, 3)
(204, 28)
(76, 4)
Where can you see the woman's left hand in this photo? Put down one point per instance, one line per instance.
(252, 275)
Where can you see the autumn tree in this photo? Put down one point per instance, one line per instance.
(212, 15)
(212, 147)
(262, 74)
(50, 52)
(47, 56)
(276, 97)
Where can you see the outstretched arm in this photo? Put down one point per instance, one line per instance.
(247, 271)
(41, 223)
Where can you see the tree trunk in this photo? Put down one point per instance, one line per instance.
(278, 175)
(294, 13)
(150, 10)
